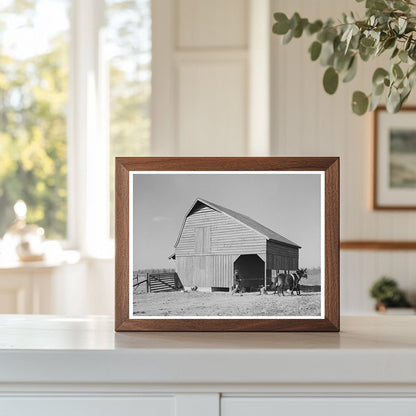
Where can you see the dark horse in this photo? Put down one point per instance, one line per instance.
(290, 281)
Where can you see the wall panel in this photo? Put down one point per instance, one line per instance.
(212, 107)
(212, 24)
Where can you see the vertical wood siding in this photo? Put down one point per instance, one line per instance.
(280, 257)
(206, 271)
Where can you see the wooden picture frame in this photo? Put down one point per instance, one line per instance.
(394, 184)
(283, 168)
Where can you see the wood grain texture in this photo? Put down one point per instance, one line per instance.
(330, 165)
(376, 204)
(378, 245)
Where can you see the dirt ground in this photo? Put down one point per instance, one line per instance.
(225, 304)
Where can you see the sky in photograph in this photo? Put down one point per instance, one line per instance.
(289, 204)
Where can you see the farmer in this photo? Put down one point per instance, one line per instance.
(237, 283)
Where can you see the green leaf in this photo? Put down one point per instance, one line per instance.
(379, 75)
(374, 102)
(330, 80)
(376, 4)
(397, 71)
(403, 96)
(314, 27)
(294, 20)
(408, 42)
(281, 27)
(327, 53)
(367, 42)
(288, 37)
(402, 22)
(378, 89)
(351, 71)
(359, 103)
(393, 101)
(298, 30)
(403, 56)
(389, 43)
(341, 61)
(315, 50)
(395, 52)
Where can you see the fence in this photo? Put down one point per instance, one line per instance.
(157, 282)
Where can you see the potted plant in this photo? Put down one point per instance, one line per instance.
(387, 294)
(389, 27)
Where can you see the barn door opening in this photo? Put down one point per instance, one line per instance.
(250, 269)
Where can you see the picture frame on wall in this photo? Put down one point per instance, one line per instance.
(394, 159)
(227, 244)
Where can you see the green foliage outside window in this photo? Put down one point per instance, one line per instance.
(34, 104)
(33, 99)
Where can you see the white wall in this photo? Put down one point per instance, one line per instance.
(308, 122)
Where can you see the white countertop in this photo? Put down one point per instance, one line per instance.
(53, 349)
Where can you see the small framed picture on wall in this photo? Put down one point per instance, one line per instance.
(394, 159)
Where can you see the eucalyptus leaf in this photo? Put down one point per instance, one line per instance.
(281, 26)
(341, 62)
(403, 96)
(403, 56)
(374, 102)
(330, 80)
(315, 50)
(327, 54)
(397, 71)
(367, 42)
(376, 4)
(288, 37)
(389, 43)
(408, 42)
(393, 101)
(359, 103)
(395, 52)
(314, 27)
(378, 89)
(379, 75)
(351, 71)
(402, 22)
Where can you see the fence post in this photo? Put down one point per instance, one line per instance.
(147, 283)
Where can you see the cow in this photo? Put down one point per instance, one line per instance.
(290, 281)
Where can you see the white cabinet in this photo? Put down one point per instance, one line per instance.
(80, 366)
(269, 406)
(88, 406)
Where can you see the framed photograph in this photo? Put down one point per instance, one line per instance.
(394, 159)
(227, 244)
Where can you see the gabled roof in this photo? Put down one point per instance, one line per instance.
(247, 221)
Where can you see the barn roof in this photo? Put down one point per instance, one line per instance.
(247, 221)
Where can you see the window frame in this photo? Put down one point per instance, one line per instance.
(87, 133)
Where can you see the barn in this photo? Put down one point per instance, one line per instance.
(214, 242)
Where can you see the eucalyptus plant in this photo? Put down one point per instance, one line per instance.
(389, 27)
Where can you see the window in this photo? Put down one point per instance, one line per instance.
(33, 103)
(75, 87)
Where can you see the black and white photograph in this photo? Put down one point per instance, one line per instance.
(226, 244)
